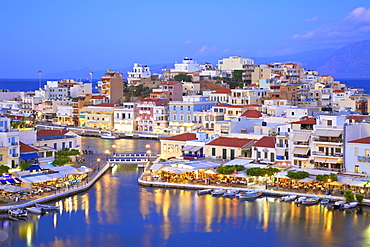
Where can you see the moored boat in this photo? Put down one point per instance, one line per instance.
(108, 135)
(47, 207)
(300, 199)
(349, 205)
(204, 192)
(325, 201)
(218, 192)
(17, 212)
(250, 195)
(288, 198)
(35, 210)
(310, 201)
(230, 193)
(338, 204)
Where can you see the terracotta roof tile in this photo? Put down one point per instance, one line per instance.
(105, 105)
(183, 137)
(365, 140)
(26, 148)
(230, 142)
(266, 141)
(224, 90)
(305, 122)
(252, 114)
(41, 133)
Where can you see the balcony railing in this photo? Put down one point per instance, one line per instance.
(323, 139)
(194, 155)
(363, 158)
(282, 145)
(327, 154)
(301, 156)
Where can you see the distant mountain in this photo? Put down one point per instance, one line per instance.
(351, 61)
(310, 60)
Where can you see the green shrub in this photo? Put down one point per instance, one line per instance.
(297, 175)
(349, 196)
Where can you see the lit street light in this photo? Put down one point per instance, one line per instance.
(107, 153)
(114, 148)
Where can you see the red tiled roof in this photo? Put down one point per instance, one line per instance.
(105, 105)
(338, 91)
(156, 92)
(230, 142)
(169, 82)
(365, 140)
(325, 75)
(224, 90)
(252, 114)
(183, 137)
(357, 117)
(266, 141)
(290, 64)
(51, 132)
(26, 148)
(252, 85)
(305, 122)
(98, 97)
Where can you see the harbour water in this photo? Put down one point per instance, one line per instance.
(116, 211)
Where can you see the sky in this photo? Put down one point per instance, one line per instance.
(55, 36)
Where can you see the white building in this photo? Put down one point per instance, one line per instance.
(357, 155)
(187, 65)
(233, 63)
(138, 72)
(124, 118)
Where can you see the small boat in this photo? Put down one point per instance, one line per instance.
(17, 212)
(325, 201)
(108, 135)
(288, 198)
(204, 192)
(349, 205)
(338, 204)
(230, 193)
(310, 201)
(47, 207)
(250, 195)
(218, 192)
(300, 199)
(36, 210)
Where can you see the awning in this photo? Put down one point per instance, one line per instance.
(29, 156)
(156, 167)
(280, 152)
(318, 159)
(301, 137)
(306, 180)
(301, 150)
(329, 133)
(332, 160)
(33, 167)
(191, 148)
(358, 182)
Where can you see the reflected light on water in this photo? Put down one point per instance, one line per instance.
(29, 236)
(55, 220)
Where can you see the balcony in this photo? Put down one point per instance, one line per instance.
(194, 155)
(13, 155)
(301, 143)
(328, 139)
(282, 145)
(363, 158)
(301, 156)
(327, 154)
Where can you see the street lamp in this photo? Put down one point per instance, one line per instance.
(328, 190)
(114, 148)
(107, 153)
(266, 181)
(40, 72)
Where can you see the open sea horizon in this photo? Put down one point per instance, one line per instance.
(33, 84)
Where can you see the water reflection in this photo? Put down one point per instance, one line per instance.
(118, 212)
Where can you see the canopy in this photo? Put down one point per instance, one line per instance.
(29, 156)
(156, 167)
(210, 172)
(11, 188)
(84, 169)
(336, 183)
(33, 167)
(191, 148)
(319, 159)
(306, 180)
(329, 133)
(358, 182)
(301, 137)
(301, 150)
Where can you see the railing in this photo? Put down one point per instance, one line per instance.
(327, 154)
(282, 145)
(301, 143)
(336, 140)
(363, 158)
(194, 155)
(301, 156)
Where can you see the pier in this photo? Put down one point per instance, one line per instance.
(141, 159)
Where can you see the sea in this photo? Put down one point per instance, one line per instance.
(33, 84)
(117, 211)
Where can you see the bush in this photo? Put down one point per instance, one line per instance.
(325, 177)
(359, 197)
(257, 171)
(67, 152)
(229, 169)
(60, 161)
(23, 166)
(4, 169)
(297, 175)
(349, 196)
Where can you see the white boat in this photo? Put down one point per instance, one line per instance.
(17, 212)
(288, 198)
(325, 201)
(230, 193)
(108, 135)
(349, 205)
(310, 201)
(35, 210)
(250, 195)
(218, 192)
(338, 204)
(300, 199)
(47, 207)
(204, 192)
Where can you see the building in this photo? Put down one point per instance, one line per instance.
(173, 90)
(357, 155)
(112, 86)
(124, 118)
(264, 150)
(138, 73)
(233, 63)
(58, 139)
(97, 116)
(146, 115)
(228, 148)
(171, 147)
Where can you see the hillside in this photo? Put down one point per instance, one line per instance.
(351, 61)
(209, 86)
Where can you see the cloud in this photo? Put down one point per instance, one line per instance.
(205, 49)
(188, 42)
(359, 15)
(313, 19)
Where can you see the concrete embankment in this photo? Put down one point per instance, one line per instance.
(265, 192)
(71, 191)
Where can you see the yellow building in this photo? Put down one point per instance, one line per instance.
(97, 116)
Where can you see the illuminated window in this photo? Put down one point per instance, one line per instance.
(367, 152)
(164, 147)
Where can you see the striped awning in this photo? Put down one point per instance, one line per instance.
(301, 150)
(301, 137)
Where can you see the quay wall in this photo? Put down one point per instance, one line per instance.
(71, 191)
(265, 192)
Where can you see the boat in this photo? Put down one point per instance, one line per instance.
(218, 192)
(250, 195)
(325, 201)
(47, 207)
(108, 135)
(310, 201)
(17, 212)
(300, 199)
(230, 193)
(204, 192)
(288, 198)
(36, 210)
(349, 205)
(338, 204)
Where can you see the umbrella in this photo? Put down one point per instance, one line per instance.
(336, 183)
(84, 169)
(177, 172)
(11, 188)
(210, 172)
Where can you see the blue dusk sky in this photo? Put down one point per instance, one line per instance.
(54, 36)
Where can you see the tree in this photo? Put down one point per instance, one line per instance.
(325, 177)
(4, 169)
(297, 175)
(238, 75)
(359, 197)
(182, 77)
(23, 166)
(61, 161)
(257, 171)
(349, 196)
(229, 169)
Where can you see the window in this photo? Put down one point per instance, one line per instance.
(1, 157)
(70, 144)
(357, 169)
(55, 145)
(63, 145)
(338, 150)
(356, 151)
(321, 149)
(213, 151)
(367, 152)
(224, 153)
(232, 154)
(330, 122)
(164, 147)
(266, 155)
